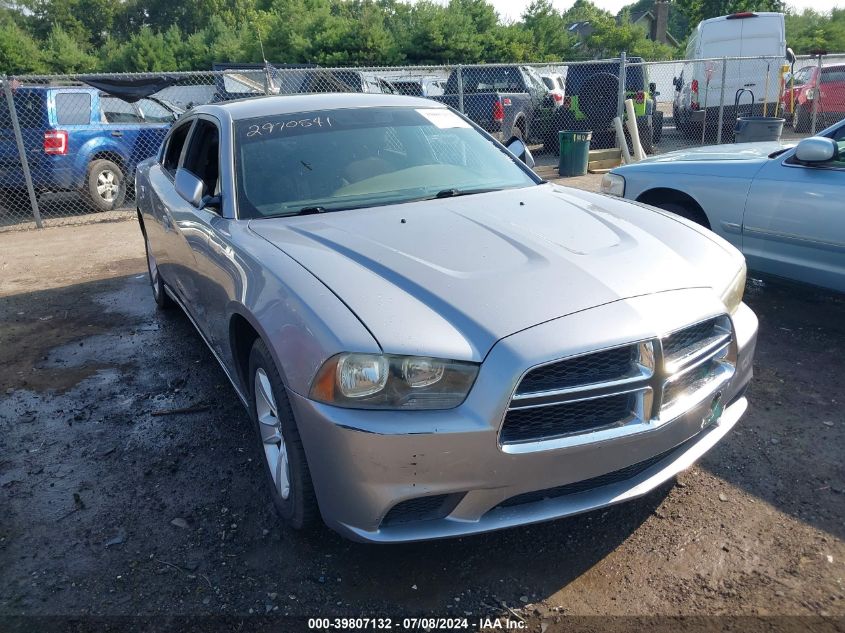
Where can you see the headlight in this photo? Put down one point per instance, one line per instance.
(383, 381)
(614, 184)
(732, 295)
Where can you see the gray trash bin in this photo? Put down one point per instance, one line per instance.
(758, 128)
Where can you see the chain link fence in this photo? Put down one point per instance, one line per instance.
(70, 144)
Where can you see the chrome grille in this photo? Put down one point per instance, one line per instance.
(611, 364)
(568, 418)
(619, 391)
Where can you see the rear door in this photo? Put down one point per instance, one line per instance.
(720, 38)
(761, 36)
(122, 123)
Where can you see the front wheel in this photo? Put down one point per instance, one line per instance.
(284, 456)
(106, 185)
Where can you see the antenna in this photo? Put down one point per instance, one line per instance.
(260, 44)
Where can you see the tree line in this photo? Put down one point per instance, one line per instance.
(73, 36)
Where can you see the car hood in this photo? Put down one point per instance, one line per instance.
(733, 152)
(450, 277)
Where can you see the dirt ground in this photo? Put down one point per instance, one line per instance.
(111, 509)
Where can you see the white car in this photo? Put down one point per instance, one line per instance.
(554, 82)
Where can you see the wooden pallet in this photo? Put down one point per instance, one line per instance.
(602, 161)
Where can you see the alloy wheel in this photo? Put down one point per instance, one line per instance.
(275, 449)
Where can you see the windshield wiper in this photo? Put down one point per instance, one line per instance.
(310, 211)
(453, 193)
(777, 153)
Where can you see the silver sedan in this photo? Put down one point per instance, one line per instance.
(430, 340)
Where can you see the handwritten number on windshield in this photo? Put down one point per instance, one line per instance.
(270, 127)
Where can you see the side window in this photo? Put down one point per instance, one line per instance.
(73, 108)
(202, 157)
(154, 112)
(174, 148)
(118, 111)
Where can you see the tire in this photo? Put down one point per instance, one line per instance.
(519, 130)
(160, 296)
(106, 185)
(801, 122)
(646, 131)
(285, 465)
(658, 127)
(598, 97)
(682, 210)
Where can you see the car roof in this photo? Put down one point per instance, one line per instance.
(289, 104)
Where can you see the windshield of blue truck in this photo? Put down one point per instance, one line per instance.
(351, 158)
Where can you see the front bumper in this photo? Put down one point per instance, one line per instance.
(365, 462)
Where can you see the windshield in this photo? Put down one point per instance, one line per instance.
(339, 159)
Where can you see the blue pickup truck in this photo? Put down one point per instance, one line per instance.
(80, 139)
(505, 100)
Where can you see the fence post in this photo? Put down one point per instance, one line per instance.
(816, 96)
(721, 100)
(13, 115)
(620, 99)
(460, 74)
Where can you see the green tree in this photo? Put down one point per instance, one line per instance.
(65, 55)
(547, 29)
(698, 10)
(19, 51)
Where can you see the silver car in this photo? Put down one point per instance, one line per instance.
(430, 340)
(779, 203)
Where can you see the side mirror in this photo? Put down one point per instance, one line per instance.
(519, 149)
(652, 88)
(675, 83)
(189, 187)
(790, 55)
(816, 149)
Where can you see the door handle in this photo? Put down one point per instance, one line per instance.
(117, 133)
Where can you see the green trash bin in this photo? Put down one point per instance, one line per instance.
(574, 153)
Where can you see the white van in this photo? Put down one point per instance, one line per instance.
(752, 84)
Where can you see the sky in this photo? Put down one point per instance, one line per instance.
(511, 9)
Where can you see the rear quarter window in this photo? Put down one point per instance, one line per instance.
(73, 108)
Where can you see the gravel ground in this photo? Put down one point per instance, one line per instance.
(112, 506)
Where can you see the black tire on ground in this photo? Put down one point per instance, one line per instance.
(160, 296)
(802, 119)
(678, 208)
(646, 131)
(105, 185)
(299, 510)
(658, 127)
